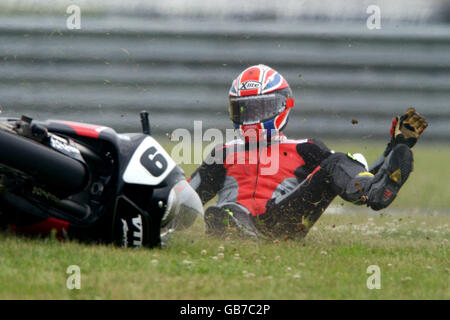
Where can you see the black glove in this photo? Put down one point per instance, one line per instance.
(407, 128)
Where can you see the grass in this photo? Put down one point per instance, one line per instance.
(411, 251)
(409, 242)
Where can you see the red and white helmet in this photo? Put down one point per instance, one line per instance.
(260, 100)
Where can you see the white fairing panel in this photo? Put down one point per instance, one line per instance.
(149, 165)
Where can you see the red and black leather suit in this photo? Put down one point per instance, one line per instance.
(308, 178)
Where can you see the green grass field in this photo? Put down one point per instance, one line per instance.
(408, 241)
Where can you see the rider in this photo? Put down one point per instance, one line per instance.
(309, 176)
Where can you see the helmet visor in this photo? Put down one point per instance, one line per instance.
(249, 110)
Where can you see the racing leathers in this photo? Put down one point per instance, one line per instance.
(281, 187)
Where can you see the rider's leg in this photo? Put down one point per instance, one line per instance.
(293, 213)
(340, 174)
(377, 191)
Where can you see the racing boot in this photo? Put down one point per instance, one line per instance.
(229, 219)
(390, 177)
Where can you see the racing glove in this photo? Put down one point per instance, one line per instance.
(407, 128)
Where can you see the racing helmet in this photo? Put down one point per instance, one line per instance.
(260, 100)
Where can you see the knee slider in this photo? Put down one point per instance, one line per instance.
(349, 175)
(357, 189)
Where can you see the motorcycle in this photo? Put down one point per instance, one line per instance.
(87, 182)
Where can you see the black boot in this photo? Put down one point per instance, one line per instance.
(229, 219)
(216, 220)
(390, 177)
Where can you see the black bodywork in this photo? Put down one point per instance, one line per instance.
(84, 190)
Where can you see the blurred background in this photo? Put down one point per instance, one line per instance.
(177, 59)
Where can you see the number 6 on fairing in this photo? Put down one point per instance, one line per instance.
(156, 164)
(149, 165)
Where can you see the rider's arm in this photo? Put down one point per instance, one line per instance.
(405, 129)
(313, 152)
(209, 177)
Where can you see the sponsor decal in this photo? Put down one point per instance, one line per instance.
(387, 194)
(65, 147)
(396, 176)
(124, 233)
(248, 85)
(137, 235)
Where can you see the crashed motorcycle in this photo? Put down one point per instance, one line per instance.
(89, 183)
